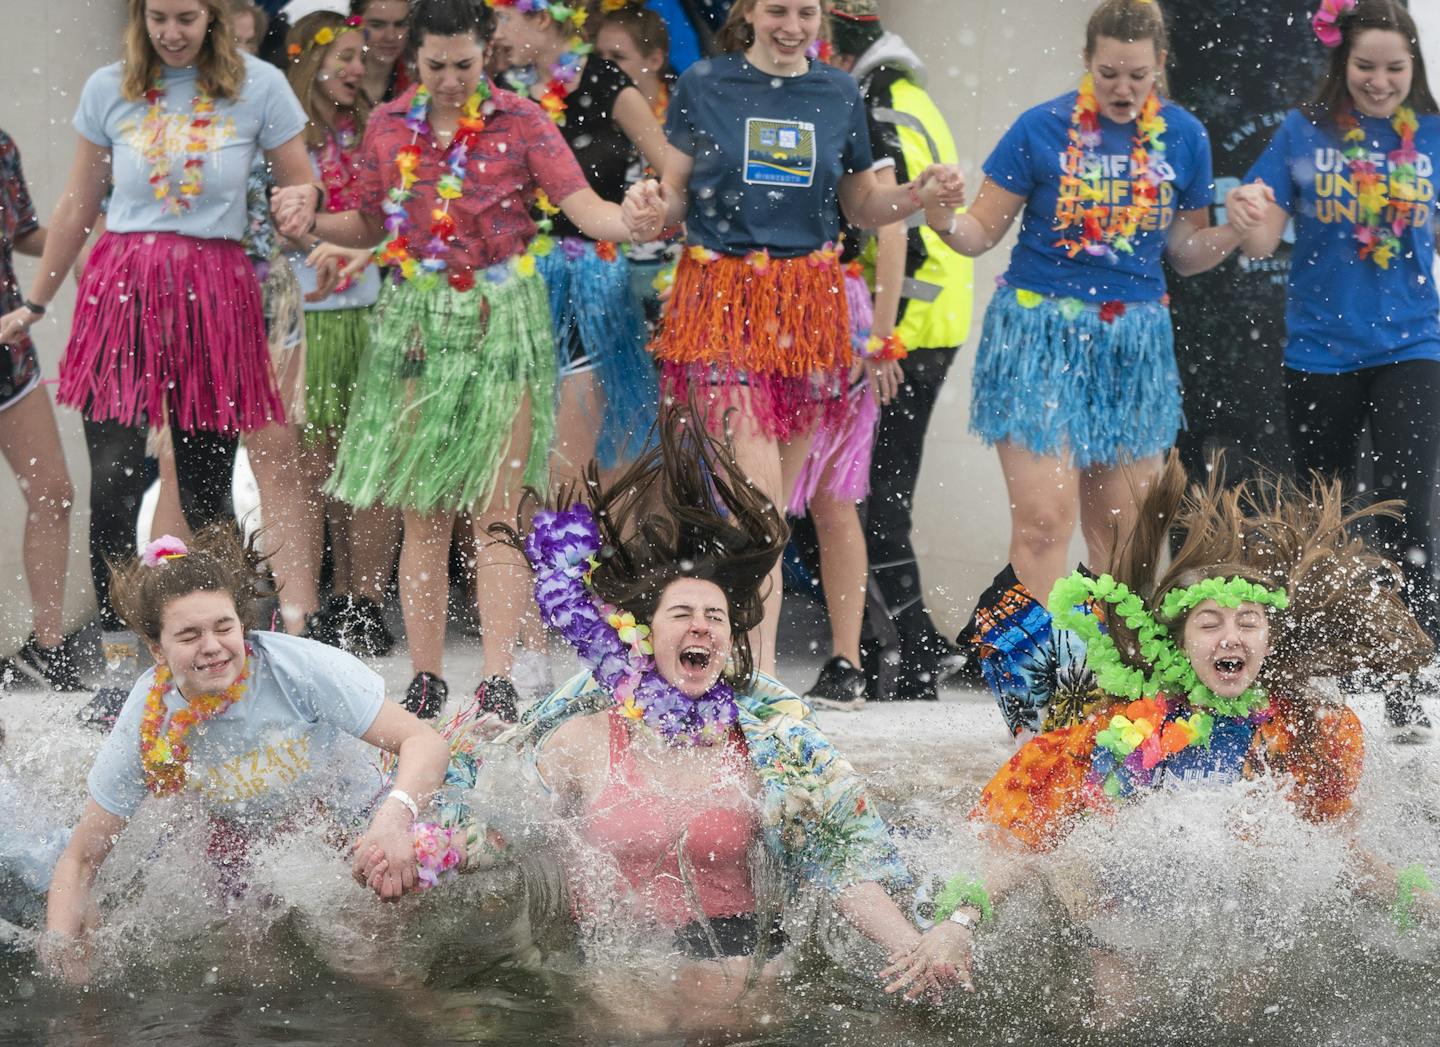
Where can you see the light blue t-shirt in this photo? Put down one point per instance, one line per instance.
(1343, 312)
(269, 752)
(1028, 162)
(264, 116)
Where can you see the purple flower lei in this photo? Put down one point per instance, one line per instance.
(561, 548)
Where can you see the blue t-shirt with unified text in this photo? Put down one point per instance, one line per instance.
(148, 143)
(1344, 313)
(769, 154)
(1028, 162)
(270, 752)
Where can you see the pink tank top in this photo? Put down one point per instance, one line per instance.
(640, 830)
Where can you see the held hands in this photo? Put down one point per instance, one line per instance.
(941, 189)
(384, 858)
(294, 209)
(335, 266)
(15, 324)
(938, 962)
(644, 210)
(1245, 205)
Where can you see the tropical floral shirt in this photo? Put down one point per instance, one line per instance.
(816, 820)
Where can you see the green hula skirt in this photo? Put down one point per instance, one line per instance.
(335, 342)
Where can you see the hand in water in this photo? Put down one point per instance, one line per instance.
(65, 957)
(385, 856)
(939, 961)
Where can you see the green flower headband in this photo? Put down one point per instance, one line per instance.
(1170, 670)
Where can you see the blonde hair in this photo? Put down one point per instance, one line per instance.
(304, 75)
(219, 69)
(738, 35)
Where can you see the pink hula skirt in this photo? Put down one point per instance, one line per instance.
(170, 326)
(839, 458)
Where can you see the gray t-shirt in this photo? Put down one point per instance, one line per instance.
(268, 753)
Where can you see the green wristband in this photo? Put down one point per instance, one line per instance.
(961, 890)
(1407, 882)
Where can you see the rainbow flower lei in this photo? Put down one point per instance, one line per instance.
(1383, 205)
(395, 250)
(1086, 224)
(561, 548)
(154, 133)
(165, 757)
(566, 71)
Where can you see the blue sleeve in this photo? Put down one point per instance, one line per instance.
(281, 117)
(1273, 167)
(1198, 192)
(95, 98)
(679, 129)
(326, 684)
(858, 156)
(117, 779)
(1011, 164)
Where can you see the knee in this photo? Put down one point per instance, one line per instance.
(1043, 526)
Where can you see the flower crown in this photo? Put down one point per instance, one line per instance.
(562, 13)
(1170, 670)
(162, 550)
(1326, 22)
(324, 37)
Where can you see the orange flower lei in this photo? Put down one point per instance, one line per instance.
(154, 132)
(1093, 227)
(1383, 207)
(166, 757)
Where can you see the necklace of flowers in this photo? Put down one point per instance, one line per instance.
(154, 133)
(1085, 223)
(562, 547)
(395, 250)
(1377, 235)
(165, 756)
(1170, 670)
(564, 75)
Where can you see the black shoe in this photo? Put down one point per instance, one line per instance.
(840, 686)
(52, 667)
(357, 624)
(1409, 723)
(426, 695)
(10, 675)
(497, 695)
(103, 710)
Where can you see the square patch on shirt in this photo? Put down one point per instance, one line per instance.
(779, 152)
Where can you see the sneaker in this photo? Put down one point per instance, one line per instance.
(52, 667)
(10, 675)
(497, 695)
(103, 710)
(1409, 723)
(426, 695)
(532, 675)
(840, 686)
(368, 635)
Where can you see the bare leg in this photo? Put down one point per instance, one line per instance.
(30, 442)
(502, 578)
(1109, 499)
(169, 517)
(844, 570)
(577, 427)
(374, 536)
(292, 521)
(1044, 495)
(425, 588)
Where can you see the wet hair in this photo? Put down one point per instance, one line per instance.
(304, 76)
(738, 35)
(1345, 613)
(218, 560)
(450, 18)
(645, 28)
(1332, 95)
(219, 69)
(682, 510)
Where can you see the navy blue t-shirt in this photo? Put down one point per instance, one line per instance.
(1343, 312)
(769, 154)
(1028, 161)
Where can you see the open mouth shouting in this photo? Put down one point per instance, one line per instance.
(696, 658)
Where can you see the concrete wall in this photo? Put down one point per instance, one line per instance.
(46, 53)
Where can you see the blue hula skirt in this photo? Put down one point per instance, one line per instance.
(600, 326)
(1059, 376)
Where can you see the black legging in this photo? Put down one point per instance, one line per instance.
(119, 477)
(1401, 402)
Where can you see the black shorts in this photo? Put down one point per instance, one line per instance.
(19, 371)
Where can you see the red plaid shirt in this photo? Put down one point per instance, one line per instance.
(519, 151)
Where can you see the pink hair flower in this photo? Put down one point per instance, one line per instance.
(1325, 22)
(166, 547)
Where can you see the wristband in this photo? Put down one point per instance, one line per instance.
(319, 197)
(404, 798)
(888, 348)
(961, 890)
(1407, 882)
(38, 310)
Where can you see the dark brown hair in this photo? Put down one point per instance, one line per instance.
(1332, 96)
(217, 561)
(304, 76)
(682, 510)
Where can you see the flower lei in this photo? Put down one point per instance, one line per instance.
(566, 71)
(1170, 671)
(1137, 740)
(1106, 229)
(324, 37)
(165, 757)
(395, 250)
(156, 153)
(1378, 238)
(562, 547)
